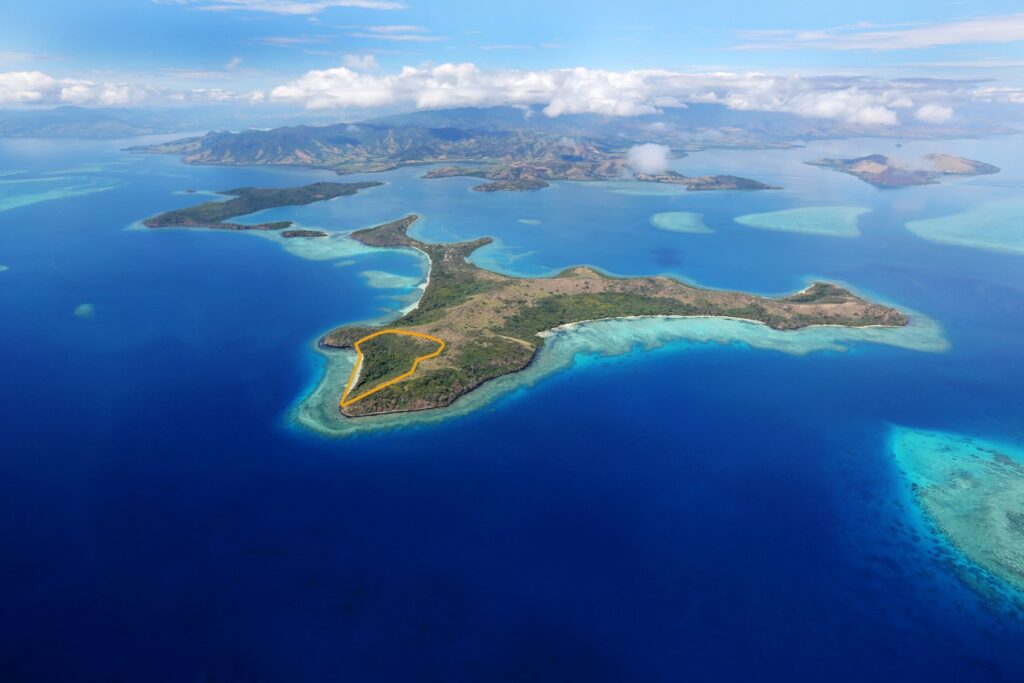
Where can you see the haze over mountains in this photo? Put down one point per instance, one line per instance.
(694, 126)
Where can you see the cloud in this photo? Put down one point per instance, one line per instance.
(38, 88)
(401, 28)
(398, 37)
(10, 57)
(1002, 94)
(522, 46)
(290, 41)
(299, 7)
(360, 62)
(992, 29)
(934, 113)
(650, 159)
(233, 63)
(969, 64)
(860, 101)
(396, 34)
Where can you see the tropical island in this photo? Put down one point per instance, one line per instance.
(519, 176)
(493, 324)
(246, 200)
(883, 171)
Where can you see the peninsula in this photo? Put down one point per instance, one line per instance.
(883, 171)
(246, 200)
(492, 324)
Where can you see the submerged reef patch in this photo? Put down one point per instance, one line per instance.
(972, 493)
(85, 311)
(833, 221)
(995, 226)
(15, 194)
(680, 221)
(379, 279)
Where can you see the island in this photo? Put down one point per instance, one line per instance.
(517, 185)
(519, 176)
(514, 160)
(882, 171)
(246, 200)
(472, 325)
(487, 324)
(291, 234)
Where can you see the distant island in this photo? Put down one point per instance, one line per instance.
(883, 171)
(291, 234)
(248, 200)
(69, 122)
(493, 324)
(520, 176)
(510, 160)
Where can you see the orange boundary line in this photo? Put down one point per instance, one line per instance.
(346, 402)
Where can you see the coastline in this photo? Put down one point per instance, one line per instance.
(421, 286)
(317, 411)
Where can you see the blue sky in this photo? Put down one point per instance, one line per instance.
(75, 37)
(245, 46)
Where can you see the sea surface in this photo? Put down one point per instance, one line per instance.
(690, 510)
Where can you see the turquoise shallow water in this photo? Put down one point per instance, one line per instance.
(971, 495)
(654, 500)
(834, 221)
(680, 221)
(996, 225)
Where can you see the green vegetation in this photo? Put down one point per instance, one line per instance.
(552, 311)
(490, 322)
(248, 200)
(820, 293)
(451, 286)
(289, 234)
(387, 357)
(479, 361)
(515, 160)
(518, 185)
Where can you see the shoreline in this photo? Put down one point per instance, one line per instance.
(570, 326)
(422, 286)
(316, 411)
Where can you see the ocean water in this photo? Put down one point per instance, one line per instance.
(700, 505)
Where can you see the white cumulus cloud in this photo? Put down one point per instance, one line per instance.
(36, 87)
(648, 158)
(934, 113)
(861, 101)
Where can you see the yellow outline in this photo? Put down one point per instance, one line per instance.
(359, 363)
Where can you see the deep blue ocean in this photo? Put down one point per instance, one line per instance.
(696, 512)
